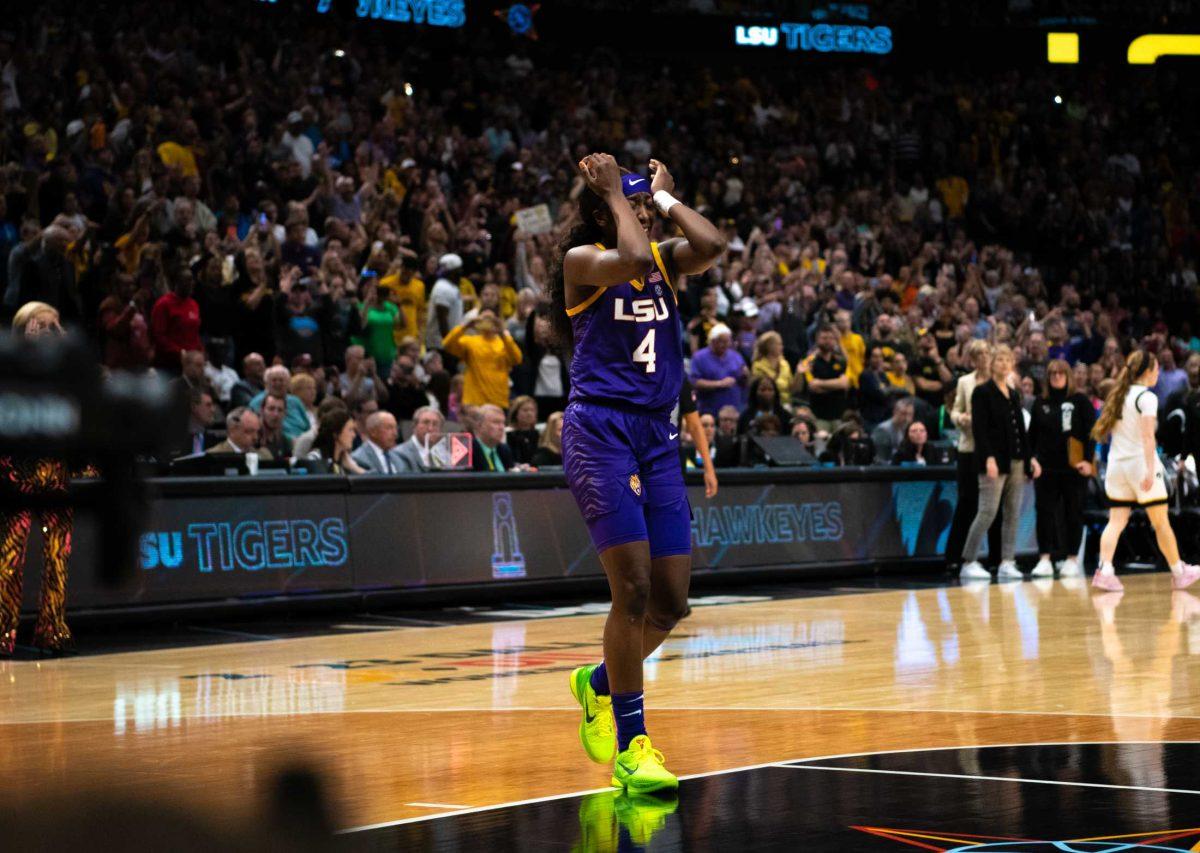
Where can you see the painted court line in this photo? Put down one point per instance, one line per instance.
(528, 802)
(403, 621)
(245, 635)
(287, 712)
(553, 797)
(985, 778)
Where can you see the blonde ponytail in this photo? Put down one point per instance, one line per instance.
(1139, 362)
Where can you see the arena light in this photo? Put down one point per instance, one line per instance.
(1062, 48)
(1146, 49)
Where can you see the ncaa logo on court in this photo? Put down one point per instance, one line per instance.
(635, 483)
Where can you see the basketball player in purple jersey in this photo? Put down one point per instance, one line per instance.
(613, 299)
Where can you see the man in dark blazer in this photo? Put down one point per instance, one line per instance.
(200, 412)
(490, 453)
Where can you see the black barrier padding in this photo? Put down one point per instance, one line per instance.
(238, 538)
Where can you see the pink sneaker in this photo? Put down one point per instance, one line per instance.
(1107, 582)
(1188, 576)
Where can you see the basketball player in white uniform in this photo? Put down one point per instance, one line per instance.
(1135, 475)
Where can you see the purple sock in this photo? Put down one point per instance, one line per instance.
(631, 722)
(599, 680)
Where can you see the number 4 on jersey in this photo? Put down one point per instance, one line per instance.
(644, 353)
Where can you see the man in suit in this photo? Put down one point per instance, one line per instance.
(727, 444)
(377, 454)
(427, 431)
(192, 375)
(889, 434)
(254, 366)
(243, 429)
(490, 452)
(200, 411)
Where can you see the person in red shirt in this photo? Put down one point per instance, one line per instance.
(127, 343)
(175, 323)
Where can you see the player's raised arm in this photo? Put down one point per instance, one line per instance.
(702, 242)
(591, 266)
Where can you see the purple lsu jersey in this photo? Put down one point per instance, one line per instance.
(629, 343)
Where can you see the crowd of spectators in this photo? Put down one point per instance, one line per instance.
(317, 234)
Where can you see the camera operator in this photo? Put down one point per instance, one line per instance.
(36, 477)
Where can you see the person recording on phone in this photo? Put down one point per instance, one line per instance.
(1060, 434)
(490, 354)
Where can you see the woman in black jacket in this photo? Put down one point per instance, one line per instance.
(876, 396)
(523, 437)
(912, 450)
(1060, 415)
(1005, 460)
(763, 399)
(542, 373)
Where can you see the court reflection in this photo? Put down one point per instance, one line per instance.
(704, 651)
(1146, 668)
(147, 704)
(1045, 646)
(295, 691)
(618, 821)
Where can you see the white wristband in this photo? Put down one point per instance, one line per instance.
(665, 201)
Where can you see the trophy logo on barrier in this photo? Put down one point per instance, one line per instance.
(453, 452)
(507, 559)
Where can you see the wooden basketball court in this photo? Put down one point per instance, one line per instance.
(424, 722)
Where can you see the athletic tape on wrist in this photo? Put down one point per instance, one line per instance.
(665, 201)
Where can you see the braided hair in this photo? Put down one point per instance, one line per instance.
(1138, 363)
(584, 231)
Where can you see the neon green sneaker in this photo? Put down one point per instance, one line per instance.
(643, 817)
(639, 769)
(596, 730)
